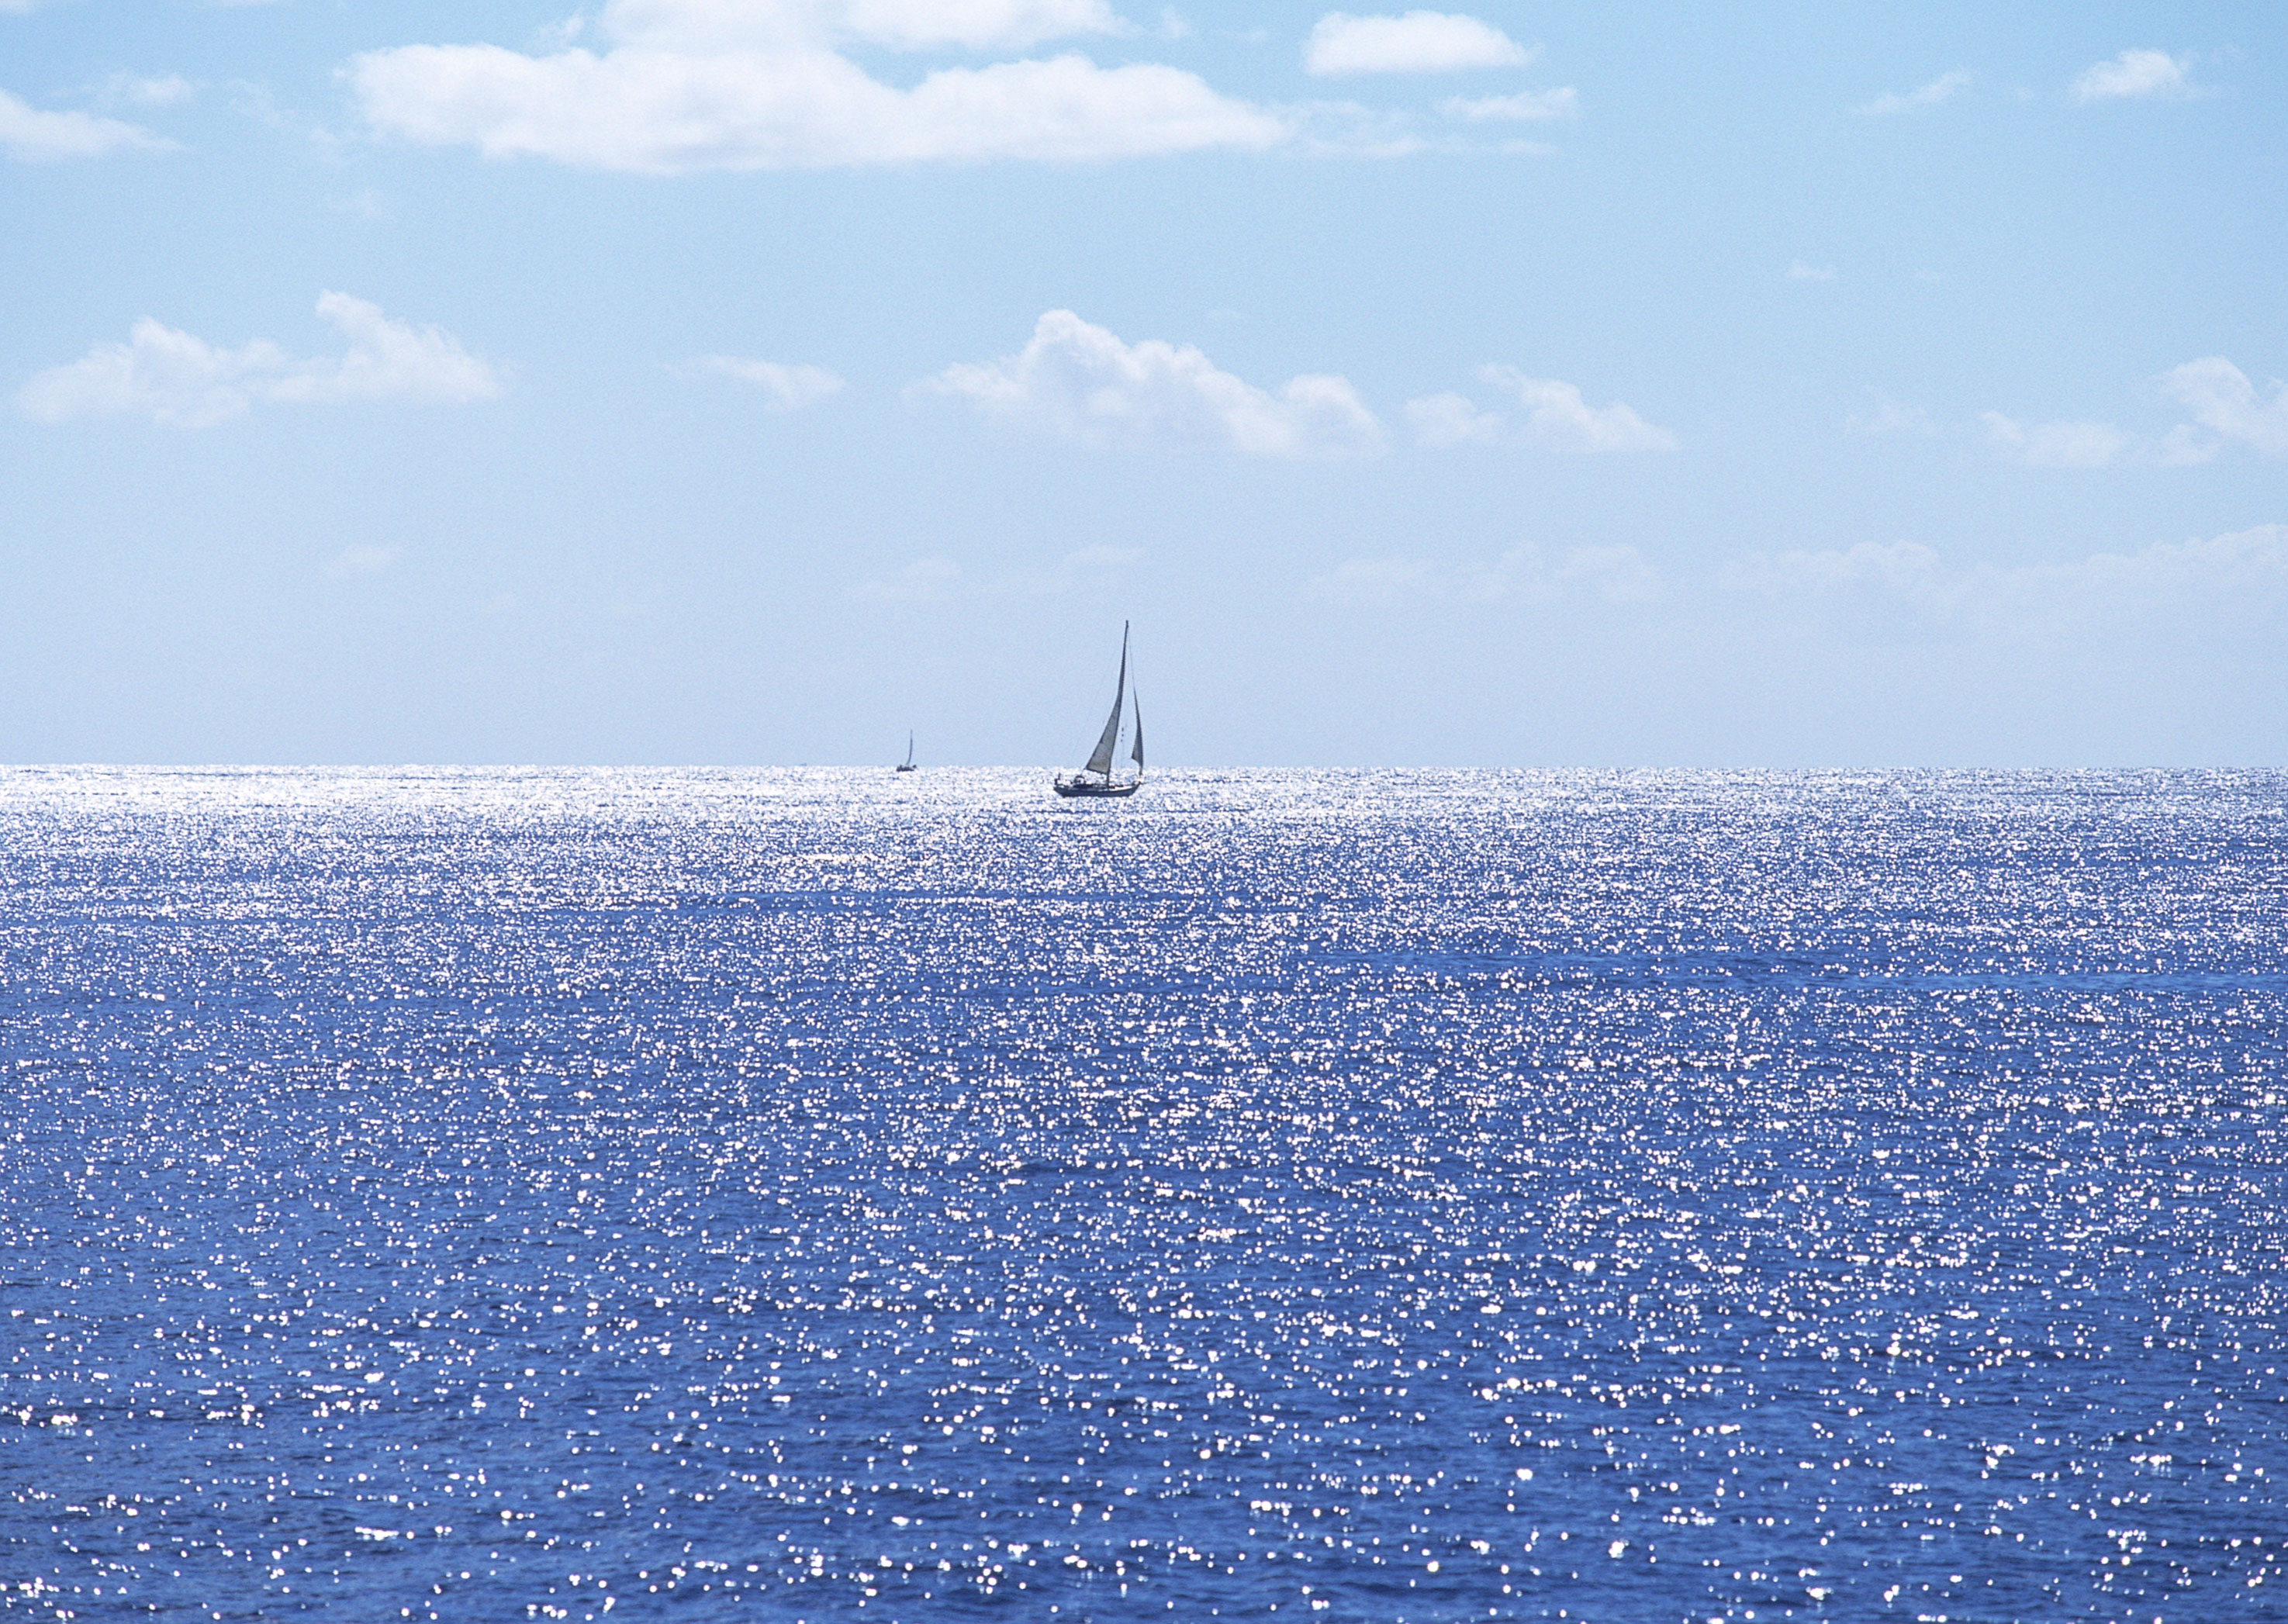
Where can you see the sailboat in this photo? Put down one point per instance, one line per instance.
(906, 766)
(1096, 778)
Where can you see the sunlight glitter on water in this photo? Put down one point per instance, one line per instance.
(1368, 1195)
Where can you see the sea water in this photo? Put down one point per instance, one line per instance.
(838, 1195)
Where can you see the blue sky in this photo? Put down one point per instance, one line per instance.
(752, 380)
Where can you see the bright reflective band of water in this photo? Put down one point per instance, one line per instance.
(834, 1195)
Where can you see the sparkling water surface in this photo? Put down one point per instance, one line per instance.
(810, 1195)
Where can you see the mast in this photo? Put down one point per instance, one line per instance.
(1099, 760)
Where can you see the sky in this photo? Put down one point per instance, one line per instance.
(1532, 385)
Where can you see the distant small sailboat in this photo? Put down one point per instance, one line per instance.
(906, 766)
(1096, 779)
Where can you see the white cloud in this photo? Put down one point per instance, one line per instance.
(1083, 382)
(175, 378)
(2254, 560)
(786, 387)
(2221, 399)
(1526, 106)
(2227, 407)
(760, 84)
(136, 90)
(2136, 75)
(170, 376)
(1943, 88)
(28, 133)
(1420, 42)
(1103, 557)
(1556, 419)
(1450, 419)
(2055, 445)
(1801, 270)
(388, 360)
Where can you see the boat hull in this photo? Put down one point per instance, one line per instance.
(1095, 789)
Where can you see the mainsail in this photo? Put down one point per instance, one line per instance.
(1095, 780)
(1100, 759)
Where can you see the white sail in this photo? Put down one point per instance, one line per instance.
(1138, 753)
(1100, 760)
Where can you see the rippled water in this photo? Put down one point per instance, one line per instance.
(1429, 1196)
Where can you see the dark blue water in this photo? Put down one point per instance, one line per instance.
(830, 1196)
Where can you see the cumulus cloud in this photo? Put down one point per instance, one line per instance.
(785, 387)
(2055, 445)
(1081, 381)
(1943, 88)
(762, 84)
(37, 137)
(1555, 418)
(2146, 75)
(1420, 42)
(1450, 419)
(175, 378)
(1526, 106)
(1558, 419)
(2223, 400)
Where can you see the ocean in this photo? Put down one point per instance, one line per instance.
(828, 1194)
